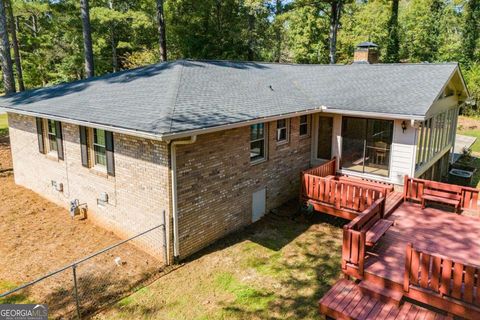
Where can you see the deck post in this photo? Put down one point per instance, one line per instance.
(405, 187)
(408, 262)
(361, 258)
(345, 247)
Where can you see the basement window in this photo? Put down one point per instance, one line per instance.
(99, 147)
(52, 136)
(257, 142)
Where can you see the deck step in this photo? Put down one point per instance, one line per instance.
(383, 294)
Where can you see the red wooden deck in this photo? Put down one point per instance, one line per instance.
(346, 301)
(452, 235)
(425, 256)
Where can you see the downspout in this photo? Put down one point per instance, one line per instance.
(173, 161)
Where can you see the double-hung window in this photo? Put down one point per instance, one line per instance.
(257, 142)
(304, 125)
(52, 136)
(282, 130)
(99, 148)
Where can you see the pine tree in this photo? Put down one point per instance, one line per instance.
(162, 38)
(87, 38)
(7, 67)
(393, 44)
(335, 15)
(471, 30)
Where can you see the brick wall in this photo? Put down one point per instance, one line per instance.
(216, 181)
(137, 194)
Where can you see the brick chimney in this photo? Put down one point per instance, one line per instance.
(366, 52)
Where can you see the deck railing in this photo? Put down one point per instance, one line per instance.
(341, 194)
(442, 282)
(388, 186)
(328, 168)
(413, 191)
(354, 239)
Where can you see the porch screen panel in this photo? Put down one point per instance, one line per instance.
(377, 149)
(353, 143)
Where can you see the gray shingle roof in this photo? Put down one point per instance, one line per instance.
(186, 95)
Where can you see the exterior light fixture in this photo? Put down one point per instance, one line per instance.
(404, 126)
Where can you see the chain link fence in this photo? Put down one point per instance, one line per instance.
(102, 278)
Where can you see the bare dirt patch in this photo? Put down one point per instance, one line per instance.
(468, 123)
(39, 237)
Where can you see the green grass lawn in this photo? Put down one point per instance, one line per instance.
(3, 124)
(275, 269)
(473, 133)
(15, 298)
(471, 127)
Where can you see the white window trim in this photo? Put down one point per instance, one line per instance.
(265, 142)
(287, 134)
(49, 152)
(309, 126)
(97, 166)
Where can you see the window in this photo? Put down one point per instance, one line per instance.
(257, 142)
(304, 125)
(99, 148)
(282, 130)
(52, 136)
(366, 145)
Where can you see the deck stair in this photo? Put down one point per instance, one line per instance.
(346, 300)
(381, 293)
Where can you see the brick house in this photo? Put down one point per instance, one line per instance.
(216, 145)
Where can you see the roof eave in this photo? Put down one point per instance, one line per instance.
(392, 116)
(167, 137)
(136, 133)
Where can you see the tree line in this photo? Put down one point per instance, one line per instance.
(45, 42)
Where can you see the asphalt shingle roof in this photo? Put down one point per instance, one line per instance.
(186, 95)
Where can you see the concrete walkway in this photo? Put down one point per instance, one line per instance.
(462, 142)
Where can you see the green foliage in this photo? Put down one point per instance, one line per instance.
(362, 22)
(472, 77)
(393, 43)
(3, 125)
(306, 35)
(471, 30)
(125, 33)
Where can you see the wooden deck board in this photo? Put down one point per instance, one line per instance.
(436, 230)
(358, 305)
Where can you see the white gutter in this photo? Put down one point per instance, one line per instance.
(173, 159)
(377, 115)
(126, 131)
(171, 136)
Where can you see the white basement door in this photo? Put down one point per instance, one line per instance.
(258, 204)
